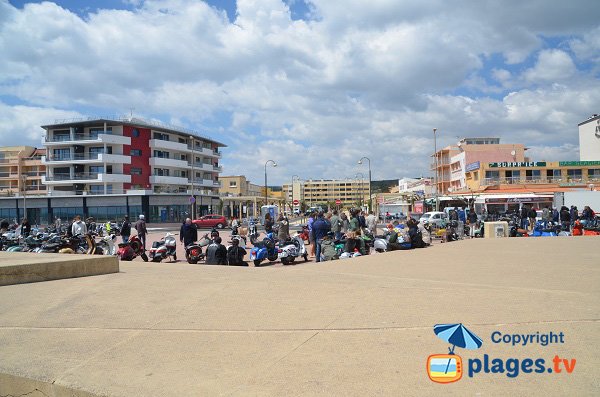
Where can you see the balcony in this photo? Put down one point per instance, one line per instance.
(168, 145)
(205, 151)
(168, 180)
(85, 177)
(82, 139)
(87, 159)
(164, 162)
(206, 183)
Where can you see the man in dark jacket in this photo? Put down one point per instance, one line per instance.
(565, 218)
(320, 229)
(524, 217)
(126, 229)
(216, 253)
(188, 233)
(472, 221)
(235, 254)
(532, 216)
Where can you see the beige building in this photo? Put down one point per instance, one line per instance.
(320, 191)
(21, 169)
(239, 186)
(451, 164)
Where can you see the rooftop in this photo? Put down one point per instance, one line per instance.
(93, 121)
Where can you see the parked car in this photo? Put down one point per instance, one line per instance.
(434, 218)
(210, 221)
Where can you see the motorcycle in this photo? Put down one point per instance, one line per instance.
(131, 249)
(165, 248)
(107, 245)
(193, 253)
(265, 249)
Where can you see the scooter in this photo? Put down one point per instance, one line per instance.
(253, 232)
(131, 249)
(165, 248)
(288, 252)
(265, 249)
(300, 246)
(193, 253)
(107, 245)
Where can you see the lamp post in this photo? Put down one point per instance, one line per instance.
(24, 186)
(360, 162)
(193, 198)
(292, 200)
(436, 167)
(360, 190)
(274, 165)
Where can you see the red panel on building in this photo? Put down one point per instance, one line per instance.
(141, 143)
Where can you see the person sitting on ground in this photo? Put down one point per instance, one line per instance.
(393, 243)
(328, 251)
(221, 252)
(4, 226)
(235, 254)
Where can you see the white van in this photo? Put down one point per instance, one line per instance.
(434, 218)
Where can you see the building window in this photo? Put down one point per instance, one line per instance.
(135, 152)
(533, 175)
(574, 174)
(161, 172)
(594, 173)
(161, 154)
(232, 184)
(135, 133)
(135, 171)
(61, 154)
(162, 137)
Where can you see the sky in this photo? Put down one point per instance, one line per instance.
(312, 84)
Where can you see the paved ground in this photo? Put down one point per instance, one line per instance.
(356, 327)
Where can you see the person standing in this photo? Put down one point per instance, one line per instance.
(546, 216)
(140, 227)
(345, 224)
(188, 233)
(268, 223)
(336, 225)
(311, 240)
(371, 222)
(353, 223)
(362, 221)
(565, 218)
(25, 227)
(283, 229)
(78, 227)
(532, 213)
(472, 221)
(126, 229)
(524, 216)
(320, 229)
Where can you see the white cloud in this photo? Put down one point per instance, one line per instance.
(551, 66)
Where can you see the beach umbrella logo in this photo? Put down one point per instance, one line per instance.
(447, 368)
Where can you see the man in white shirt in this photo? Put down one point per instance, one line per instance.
(78, 227)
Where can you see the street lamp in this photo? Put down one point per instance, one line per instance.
(193, 198)
(360, 162)
(360, 187)
(292, 199)
(24, 186)
(436, 167)
(274, 165)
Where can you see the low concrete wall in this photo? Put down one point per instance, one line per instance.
(26, 267)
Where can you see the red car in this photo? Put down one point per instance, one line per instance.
(210, 221)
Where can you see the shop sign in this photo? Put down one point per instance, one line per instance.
(577, 163)
(472, 166)
(517, 164)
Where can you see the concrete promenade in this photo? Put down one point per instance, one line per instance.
(357, 327)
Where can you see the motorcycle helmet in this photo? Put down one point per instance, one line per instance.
(380, 245)
(66, 251)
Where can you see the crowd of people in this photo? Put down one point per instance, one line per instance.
(564, 216)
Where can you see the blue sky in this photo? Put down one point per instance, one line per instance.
(314, 84)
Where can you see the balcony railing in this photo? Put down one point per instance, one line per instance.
(75, 156)
(537, 180)
(74, 177)
(76, 137)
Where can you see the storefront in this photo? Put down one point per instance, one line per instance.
(508, 203)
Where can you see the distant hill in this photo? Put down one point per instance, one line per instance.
(383, 186)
